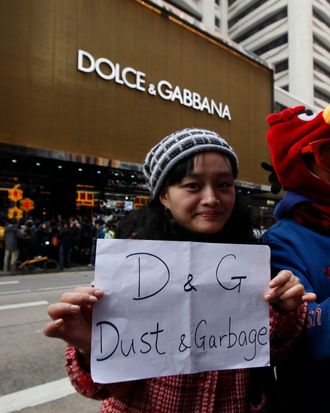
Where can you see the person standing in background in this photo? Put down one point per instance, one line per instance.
(66, 238)
(98, 234)
(12, 238)
(2, 241)
(109, 231)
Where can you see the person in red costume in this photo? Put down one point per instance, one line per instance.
(299, 142)
(191, 174)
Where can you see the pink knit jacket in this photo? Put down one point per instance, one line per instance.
(215, 391)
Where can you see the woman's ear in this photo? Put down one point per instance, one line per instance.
(163, 198)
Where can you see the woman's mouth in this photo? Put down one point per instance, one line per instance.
(209, 214)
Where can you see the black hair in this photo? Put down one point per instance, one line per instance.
(178, 172)
(185, 167)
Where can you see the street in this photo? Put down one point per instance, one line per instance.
(33, 376)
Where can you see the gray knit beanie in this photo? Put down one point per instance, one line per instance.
(180, 145)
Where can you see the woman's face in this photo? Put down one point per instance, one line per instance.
(204, 200)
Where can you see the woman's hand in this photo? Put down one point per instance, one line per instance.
(72, 318)
(286, 292)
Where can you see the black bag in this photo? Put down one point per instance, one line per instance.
(264, 387)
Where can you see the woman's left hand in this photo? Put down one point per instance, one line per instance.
(286, 292)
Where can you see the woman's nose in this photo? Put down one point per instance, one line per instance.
(210, 196)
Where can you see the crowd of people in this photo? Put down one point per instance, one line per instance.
(69, 241)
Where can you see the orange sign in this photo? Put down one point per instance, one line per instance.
(85, 198)
(15, 194)
(26, 204)
(15, 213)
(140, 201)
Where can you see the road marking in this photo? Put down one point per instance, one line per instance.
(66, 287)
(22, 305)
(8, 282)
(33, 396)
(62, 287)
(15, 292)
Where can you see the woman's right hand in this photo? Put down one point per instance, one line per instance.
(72, 318)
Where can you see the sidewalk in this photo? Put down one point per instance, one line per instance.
(38, 270)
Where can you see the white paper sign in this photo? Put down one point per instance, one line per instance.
(177, 308)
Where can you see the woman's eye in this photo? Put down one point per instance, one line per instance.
(307, 116)
(191, 185)
(224, 185)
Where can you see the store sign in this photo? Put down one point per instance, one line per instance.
(15, 213)
(27, 204)
(85, 198)
(135, 79)
(15, 194)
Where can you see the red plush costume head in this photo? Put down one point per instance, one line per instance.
(289, 131)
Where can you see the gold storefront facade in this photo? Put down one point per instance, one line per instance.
(94, 84)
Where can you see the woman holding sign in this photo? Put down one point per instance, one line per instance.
(191, 174)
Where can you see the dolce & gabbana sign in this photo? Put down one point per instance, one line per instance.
(135, 79)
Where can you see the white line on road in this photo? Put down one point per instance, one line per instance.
(22, 305)
(8, 282)
(15, 292)
(62, 287)
(36, 395)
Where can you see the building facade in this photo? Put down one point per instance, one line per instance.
(86, 91)
(292, 35)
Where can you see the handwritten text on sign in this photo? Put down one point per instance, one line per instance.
(177, 308)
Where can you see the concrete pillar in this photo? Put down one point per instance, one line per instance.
(224, 17)
(300, 33)
(208, 13)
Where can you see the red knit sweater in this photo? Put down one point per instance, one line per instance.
(216, 391)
